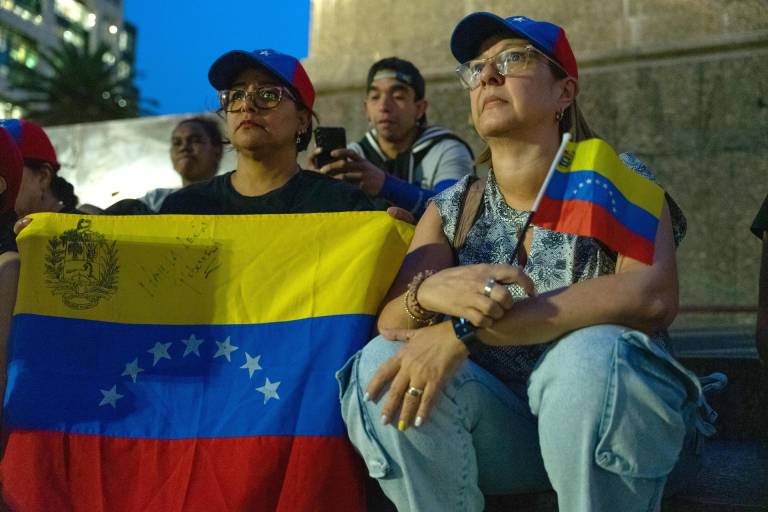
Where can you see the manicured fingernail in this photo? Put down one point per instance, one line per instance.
(366, 397)
(418, 421)
(401, 426)
(383, 419)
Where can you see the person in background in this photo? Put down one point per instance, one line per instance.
(760, 229)
(42, 189)
(266, 99)
(11, 169)
(401, 161)
(197, 146)
(515, 372)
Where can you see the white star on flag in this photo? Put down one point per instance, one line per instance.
(225, 349)
(160, 351)
(264, 52)
(270, 390)
(111, 396)
(193, 345)
(518, 19)
(132, 369)
(251, 364)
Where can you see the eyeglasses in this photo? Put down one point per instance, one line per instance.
(507, 63)
(267, 97)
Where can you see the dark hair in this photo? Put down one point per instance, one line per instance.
(406, 73)
(210, 126)
(128, 207)
(64, 192)
(61, 189)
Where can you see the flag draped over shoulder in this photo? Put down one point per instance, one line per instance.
(592, 193)
(169, 363)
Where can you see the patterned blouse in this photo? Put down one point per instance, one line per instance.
(555, 260)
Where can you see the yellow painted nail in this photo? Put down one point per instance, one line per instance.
(401, 426)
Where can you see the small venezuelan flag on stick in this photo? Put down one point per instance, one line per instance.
(590, 192)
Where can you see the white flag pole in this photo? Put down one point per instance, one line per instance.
(550, 173)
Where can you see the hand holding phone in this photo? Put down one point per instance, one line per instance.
(329, 138)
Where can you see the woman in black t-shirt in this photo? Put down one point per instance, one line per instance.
(266, 99)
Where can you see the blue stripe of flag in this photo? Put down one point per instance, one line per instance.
(594, 187)
(61, 372)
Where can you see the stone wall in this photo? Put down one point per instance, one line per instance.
(684, 84)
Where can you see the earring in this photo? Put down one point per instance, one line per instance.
(559, 116)
(298, 139)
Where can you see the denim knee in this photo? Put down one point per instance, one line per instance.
(353, 379)
(634, 396)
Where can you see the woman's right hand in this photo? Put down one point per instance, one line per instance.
(460, 291)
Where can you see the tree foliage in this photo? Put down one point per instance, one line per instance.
(74, 85)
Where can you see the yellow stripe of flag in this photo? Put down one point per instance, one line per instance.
(185, 269)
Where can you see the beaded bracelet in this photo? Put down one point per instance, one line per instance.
(419, 315)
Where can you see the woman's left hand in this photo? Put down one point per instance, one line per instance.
(416, 373)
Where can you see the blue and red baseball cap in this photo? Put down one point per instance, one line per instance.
(32, 141)
(11, 169)
(286, 68)
(470, 33)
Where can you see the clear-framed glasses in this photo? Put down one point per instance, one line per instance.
(507, 62)
(266, 97)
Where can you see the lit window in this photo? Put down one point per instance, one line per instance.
(123, 70)
(75, 12)
(29, 10)
(123, 41)
(9, 110)
(73, 38)
(113, 29)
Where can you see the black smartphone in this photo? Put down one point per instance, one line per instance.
(329, 138)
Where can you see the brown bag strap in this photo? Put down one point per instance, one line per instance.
(470, 205)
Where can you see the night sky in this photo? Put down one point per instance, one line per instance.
(179, 40)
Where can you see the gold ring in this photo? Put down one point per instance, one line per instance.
(489, 287)
(415, 391)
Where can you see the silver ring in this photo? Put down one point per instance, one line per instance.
(415, 391)
(489, 287)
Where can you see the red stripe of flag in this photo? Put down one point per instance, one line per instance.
(588, 219)
(100, 474)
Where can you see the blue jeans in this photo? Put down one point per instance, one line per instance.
(602, 421)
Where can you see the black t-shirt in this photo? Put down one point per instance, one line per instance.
(305, 192)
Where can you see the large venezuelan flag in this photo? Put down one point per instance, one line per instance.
(186, 363)
(592, 193)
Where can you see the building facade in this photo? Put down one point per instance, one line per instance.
(28, 27)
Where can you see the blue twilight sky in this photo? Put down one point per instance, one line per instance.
(178, 40)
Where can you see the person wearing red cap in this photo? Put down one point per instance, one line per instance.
(266, 99)
(517, 372)
(11, 168)
(42, 189)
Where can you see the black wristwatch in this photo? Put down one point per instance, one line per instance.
(466, 333)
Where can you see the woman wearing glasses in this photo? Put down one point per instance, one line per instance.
(565, 388)
(266, 98)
